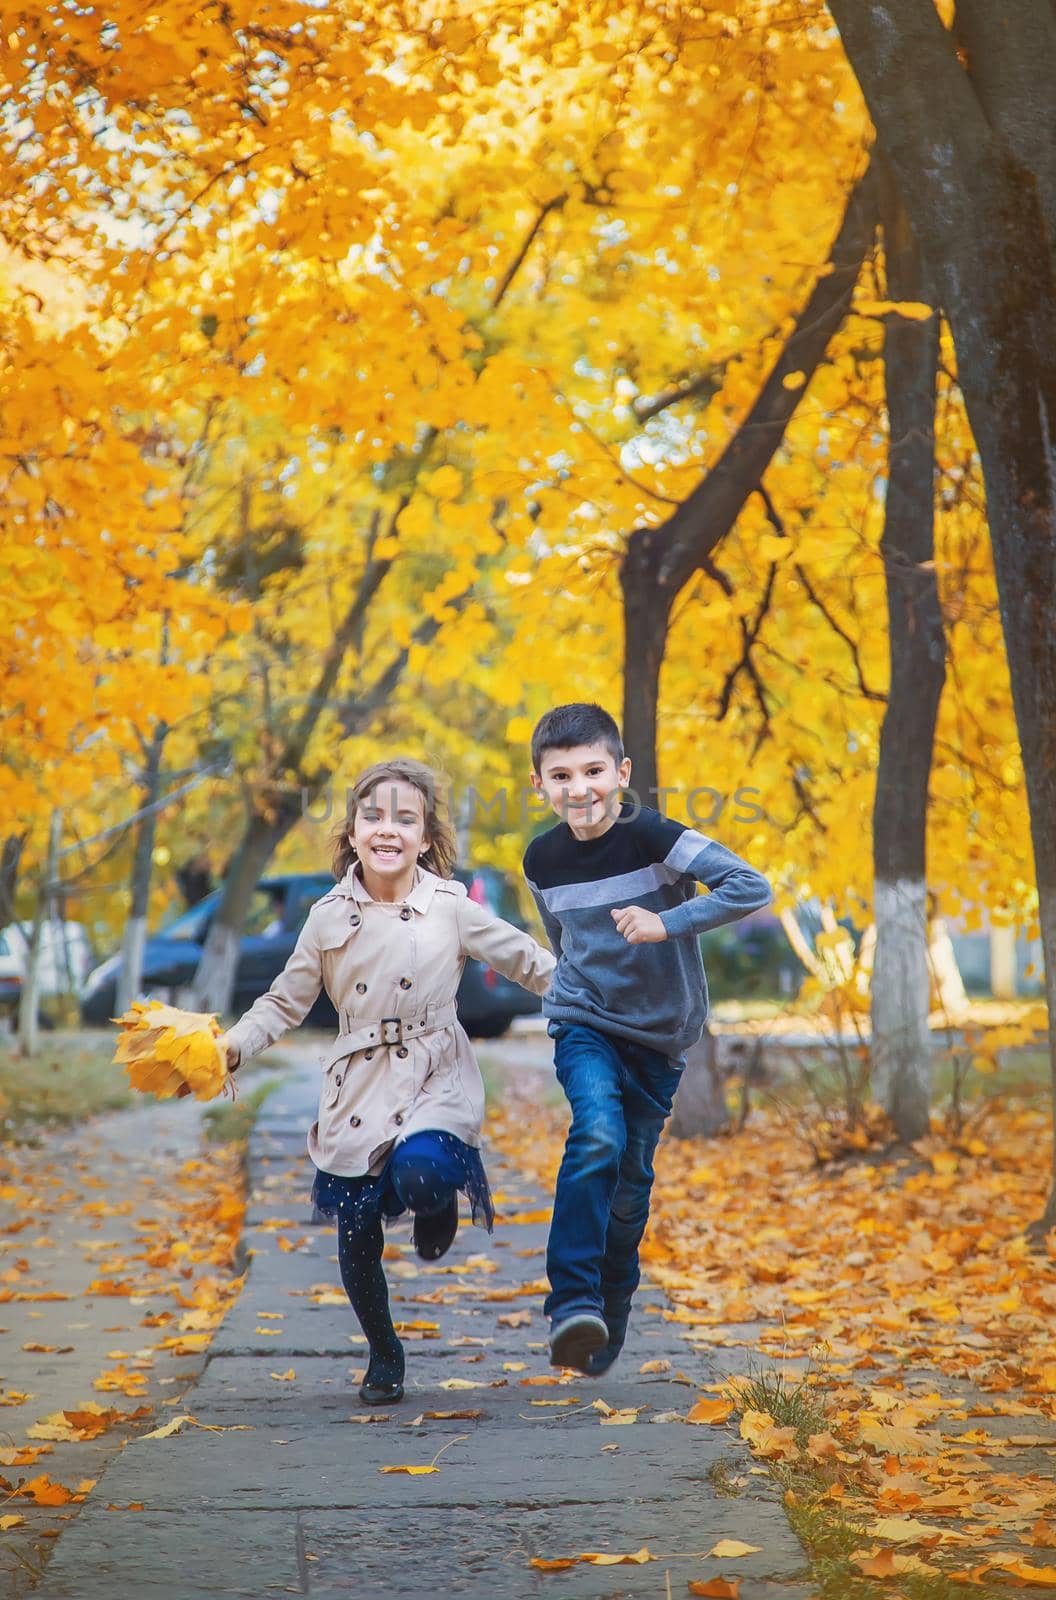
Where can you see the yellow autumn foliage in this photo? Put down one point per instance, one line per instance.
(165, 1049)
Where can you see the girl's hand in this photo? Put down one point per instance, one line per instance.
(639, 926)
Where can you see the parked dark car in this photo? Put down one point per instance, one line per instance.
(487, 1002)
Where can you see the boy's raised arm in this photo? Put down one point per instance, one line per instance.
(736, 888)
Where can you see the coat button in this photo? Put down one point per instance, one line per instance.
(405, 983)
(368, 1055)
(353, 1122)
(354, 920)
(405, 914)
(402, 1051)
(338, 1082)
(361, 988)
(398, 1119)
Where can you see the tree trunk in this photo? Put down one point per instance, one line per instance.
(10, 856)
(983, 216)
(214, 981)
(901, 1038)
(29, 1000)
(647, 606)
(130, 974)
(947, 985)
(700, 1108)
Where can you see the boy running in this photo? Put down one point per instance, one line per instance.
(616, 885)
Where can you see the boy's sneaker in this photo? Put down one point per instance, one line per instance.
(603, 1359)
(576, 1339)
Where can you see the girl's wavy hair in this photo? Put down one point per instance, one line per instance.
(440, 856)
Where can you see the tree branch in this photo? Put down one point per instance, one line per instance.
(678, 546)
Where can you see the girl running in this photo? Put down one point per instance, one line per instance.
(402, 1099)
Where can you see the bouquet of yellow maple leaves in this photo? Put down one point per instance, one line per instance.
(167, 1051)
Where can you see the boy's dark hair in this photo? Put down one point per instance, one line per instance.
(582, 722)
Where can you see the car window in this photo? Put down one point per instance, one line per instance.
(495, 890)
(191, 924)
(266, 913)
(308, 893)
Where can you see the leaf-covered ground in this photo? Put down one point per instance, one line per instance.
(118, 1257)
(884, 1331)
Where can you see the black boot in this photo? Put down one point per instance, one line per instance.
(383, 1383)
(433, 1235)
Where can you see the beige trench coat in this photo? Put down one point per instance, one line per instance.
(399, 961)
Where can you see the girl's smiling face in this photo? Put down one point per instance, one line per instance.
(389, 835)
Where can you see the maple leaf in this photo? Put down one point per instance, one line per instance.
(43, 1492)
(881, 1563)
(716, 1588)
(599, 1558)
(711, 1411)
(165, 1049)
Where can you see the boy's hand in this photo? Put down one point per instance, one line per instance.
(638, 925)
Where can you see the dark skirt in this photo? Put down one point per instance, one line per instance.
(361, 1201)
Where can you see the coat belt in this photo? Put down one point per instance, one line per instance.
(357, 1034)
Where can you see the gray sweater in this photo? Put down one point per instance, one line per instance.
(654, 994)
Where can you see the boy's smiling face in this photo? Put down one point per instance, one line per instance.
(583, 785)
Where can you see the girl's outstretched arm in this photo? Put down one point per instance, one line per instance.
(287, 1002)
(500, 945)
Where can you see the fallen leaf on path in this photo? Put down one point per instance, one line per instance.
(730, 1548)
(283, 1377)
(448, 1416)
(1043, 1577)
(412, 1472)
(880, 1563)
(907, 1530)
(766, 1438)
(599, 1558)
(655, 1366)
(559, 1564)
(716, 1588)
(710, 1411)
(515, 1319)
(167, 1431)
(23, 1455)
(43, 1492)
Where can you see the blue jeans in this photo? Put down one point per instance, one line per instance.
(621, 1095)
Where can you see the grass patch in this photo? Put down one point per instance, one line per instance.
(793, 1403)
(829, 1536)
(831, 1539)
(231, 1122)
(72, 1077)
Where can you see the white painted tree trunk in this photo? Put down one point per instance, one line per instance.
(947, 985)
(214, 981)
(130, 977)
(1003, 963)
(901, 1049)
(29, 1001)
(700, 1104)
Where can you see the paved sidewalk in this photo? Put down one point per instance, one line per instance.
(289, 1498)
